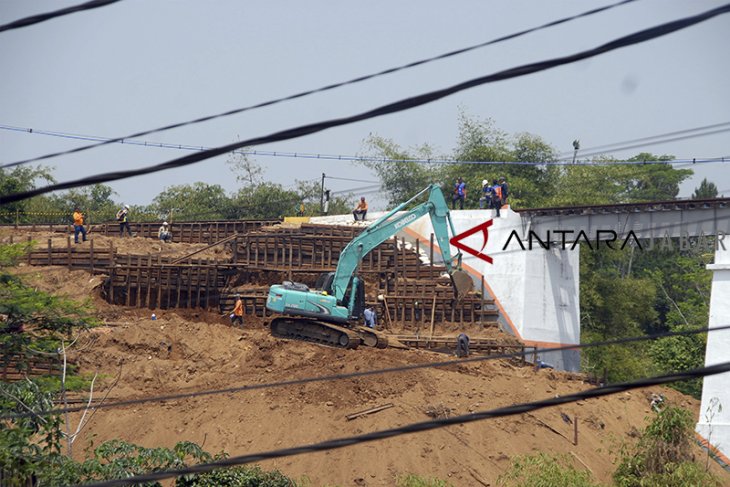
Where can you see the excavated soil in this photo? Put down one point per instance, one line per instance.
(190, 350)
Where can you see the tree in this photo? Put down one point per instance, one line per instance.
(21, 178)
(247, 171)
(706, 190)
(196, 201)
(401, 177)
(264, 200)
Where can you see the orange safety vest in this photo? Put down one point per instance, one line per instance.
(78, 218)
(238, 308)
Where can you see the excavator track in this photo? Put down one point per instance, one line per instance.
(372, 338)
(311, 330)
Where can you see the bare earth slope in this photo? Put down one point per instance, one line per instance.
(189, 350)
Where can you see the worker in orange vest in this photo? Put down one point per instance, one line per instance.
(237, 315)
(79, 225)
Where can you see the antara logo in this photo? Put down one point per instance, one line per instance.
(482, 227)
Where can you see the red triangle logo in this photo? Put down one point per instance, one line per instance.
(483, 227)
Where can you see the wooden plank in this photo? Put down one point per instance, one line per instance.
(372, 410)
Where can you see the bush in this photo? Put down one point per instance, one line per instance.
(544, 470)
(662, 456)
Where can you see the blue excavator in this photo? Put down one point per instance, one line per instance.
(331, 312)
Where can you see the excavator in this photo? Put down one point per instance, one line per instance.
(331, 312)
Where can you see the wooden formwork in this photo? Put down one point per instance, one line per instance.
(15, 367)
(187, 232)
(415, 291)
(190, 232)
(155, 284)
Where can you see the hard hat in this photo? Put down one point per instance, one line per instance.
(126, 206)
(164, 223)
(484, 182)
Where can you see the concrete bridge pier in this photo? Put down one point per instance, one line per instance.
(713, 426)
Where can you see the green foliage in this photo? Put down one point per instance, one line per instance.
(705, 190)
(238, 477)
(662, 455)
(543, 470)
(20, 178)
(412, 480)
(26, 444)
(400, 180)
(11, 253)
(196, 201)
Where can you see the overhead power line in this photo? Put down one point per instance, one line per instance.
(352, 158)
(35, 19)
(398, 106)
(366, 373)
(662, 141)
(333, 86)
(419, 427)
(620, 145)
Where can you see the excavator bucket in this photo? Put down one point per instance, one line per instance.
(462, 282)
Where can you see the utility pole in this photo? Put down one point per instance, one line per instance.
(321, 196)
(576, 146)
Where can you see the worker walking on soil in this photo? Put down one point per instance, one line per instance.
(462, 345)
(237, 315)
(123, 219)
(79, 225)
(361, 209)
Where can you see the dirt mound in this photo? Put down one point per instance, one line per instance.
(194, 350)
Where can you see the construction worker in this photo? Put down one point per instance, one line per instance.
(371, 317)
(459, 194)
(79, 225)
(486, 200)
(123, 219)
(496, 197)
(462, 345)
(237, 315)
(505, 189)
(361, 209)
(164, 233)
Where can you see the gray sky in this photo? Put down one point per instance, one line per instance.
(140, 64)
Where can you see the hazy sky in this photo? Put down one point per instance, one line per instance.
(140, 64)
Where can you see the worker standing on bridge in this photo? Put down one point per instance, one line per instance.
(505, 189)
(361, 209)
(496, 196)
(459, 194)
(237, 315)
(79, 225)
(486, 200)
(371, 317)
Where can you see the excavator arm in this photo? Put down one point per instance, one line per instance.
(387, 226)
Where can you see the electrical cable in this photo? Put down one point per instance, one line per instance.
(395, 107)
(344, 157)
(663, 141)
(367, 373)
(355, 180)
(35, 19)
(419, 427)
(335, 85)
(643, 139)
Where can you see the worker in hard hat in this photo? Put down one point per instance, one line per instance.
(486, 198)
(164, 233)
(123, 219)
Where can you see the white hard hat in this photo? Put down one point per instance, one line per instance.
(126, 206)
(164, 223)
(485, 182)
